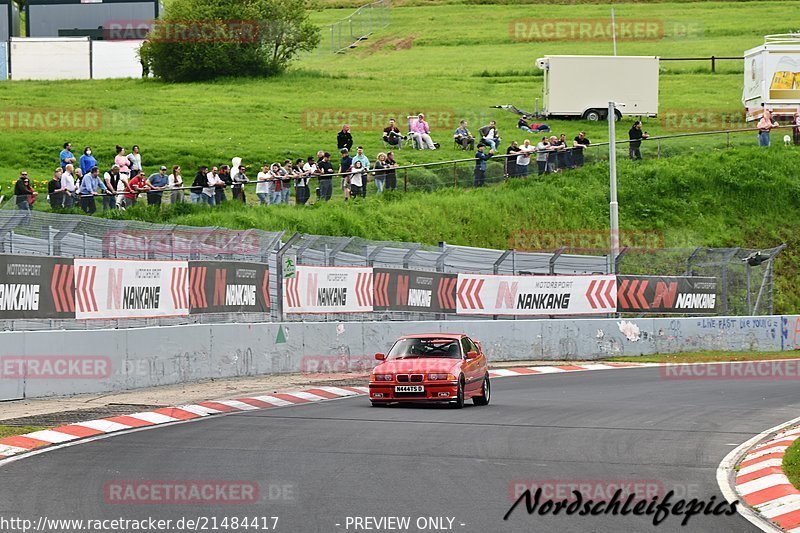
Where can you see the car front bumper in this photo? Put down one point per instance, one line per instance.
(435, 391)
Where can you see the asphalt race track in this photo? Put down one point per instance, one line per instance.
(316, 465)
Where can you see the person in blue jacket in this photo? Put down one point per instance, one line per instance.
(87, 161)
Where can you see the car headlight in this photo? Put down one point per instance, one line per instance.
(381, 377)
(441, 377)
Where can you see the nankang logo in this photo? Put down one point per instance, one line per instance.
(19, 297)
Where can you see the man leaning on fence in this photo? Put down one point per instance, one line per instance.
(90, 187)
(481, 158)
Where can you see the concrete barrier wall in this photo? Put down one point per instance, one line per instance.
(145, 357)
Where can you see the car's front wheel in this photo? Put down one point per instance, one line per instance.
(459, 403)
(486, 393)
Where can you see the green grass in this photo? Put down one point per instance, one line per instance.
(705, 357)
(791, 463)
(10, 431)
(452, 61)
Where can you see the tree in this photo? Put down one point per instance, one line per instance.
(205, 39)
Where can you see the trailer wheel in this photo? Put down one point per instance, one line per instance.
(617, 115)
(593, 115)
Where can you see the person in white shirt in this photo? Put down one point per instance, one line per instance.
(262, 185)
(176, 185)
(524, 158)
(541, 155)
(357, 179)
(309, 170)
(213, 181)
(68, 184)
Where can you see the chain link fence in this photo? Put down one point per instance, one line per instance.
(360, 25)
(745, 276)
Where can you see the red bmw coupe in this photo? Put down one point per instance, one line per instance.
(438, 367)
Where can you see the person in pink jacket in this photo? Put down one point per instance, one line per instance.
(421, 133)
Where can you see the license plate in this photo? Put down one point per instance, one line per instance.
(409, 388)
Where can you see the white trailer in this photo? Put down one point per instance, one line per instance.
(772, 77)
(582, 86)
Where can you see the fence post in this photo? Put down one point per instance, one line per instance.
(405, 180)
(279, 273)
(455, 177)
(658, 156)
(728, 135)
(713, 64)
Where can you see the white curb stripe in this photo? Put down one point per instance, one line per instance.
(236, 404)
(766, 482)
(198, 410)
(153, 418)
(759, 466)
(106, 426)
(781, 506)
(548, 369)
(306, 396)
(338, 391)
(503, 372)
(278, 402)
(756, 455)
(48, 435)
(5, 449)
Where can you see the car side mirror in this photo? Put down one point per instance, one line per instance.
(472, 354)
(380, 356)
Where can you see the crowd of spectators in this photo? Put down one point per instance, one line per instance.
(80, 180)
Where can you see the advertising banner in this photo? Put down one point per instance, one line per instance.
(328, 290)
(479, 294)
(228, 287)
(36, 287)
(666, 294)
(116, 288)
(414, 290)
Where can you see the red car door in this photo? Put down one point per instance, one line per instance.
(473, 368)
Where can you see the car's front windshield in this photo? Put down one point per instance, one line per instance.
(425, 347)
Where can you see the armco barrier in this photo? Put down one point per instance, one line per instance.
(113, 360)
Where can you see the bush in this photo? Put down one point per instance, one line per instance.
(205, 39)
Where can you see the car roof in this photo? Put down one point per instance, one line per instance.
(434, 336)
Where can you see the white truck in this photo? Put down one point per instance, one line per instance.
(772, 77)
(582, 86)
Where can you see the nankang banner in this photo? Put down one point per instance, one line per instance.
(117, 288)
(328, 290)
(36, 287)
(414, 290)
(478, 294)
(667, 294)
(228, 287)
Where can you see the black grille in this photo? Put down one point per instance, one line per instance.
(416, 378)
(409, 395)
(402, 378)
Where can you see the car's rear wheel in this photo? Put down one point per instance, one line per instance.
(486, 393)
(459, 403)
